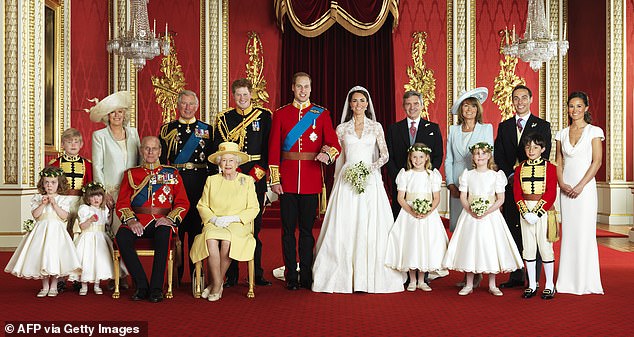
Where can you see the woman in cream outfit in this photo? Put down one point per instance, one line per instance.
(115, 148)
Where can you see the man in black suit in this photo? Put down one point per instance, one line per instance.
(401, 135)
(507, 154)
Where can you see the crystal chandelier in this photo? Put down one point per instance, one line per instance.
(538, 45)
(139, 43)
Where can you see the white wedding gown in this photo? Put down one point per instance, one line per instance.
(350, 250)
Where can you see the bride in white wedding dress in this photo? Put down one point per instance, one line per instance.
(350, 250)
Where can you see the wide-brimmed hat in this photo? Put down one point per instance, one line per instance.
(229, 148)
(117, 100)
(480, 94)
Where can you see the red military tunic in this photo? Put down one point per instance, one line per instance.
(535, 180)
(78, 171)
(152, 193)
(297, 169)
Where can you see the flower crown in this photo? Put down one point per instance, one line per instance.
(92, 185)
(424, 149)
(51, 172)
(481, 146)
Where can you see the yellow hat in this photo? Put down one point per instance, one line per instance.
(231, 148)
(117, 100)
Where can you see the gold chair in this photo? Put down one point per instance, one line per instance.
(198, 281)
(144, 247)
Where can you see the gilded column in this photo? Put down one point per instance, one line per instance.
(461, 39)
(615, 193)
(553, 78)
(214, 57)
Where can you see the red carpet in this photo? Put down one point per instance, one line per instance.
(607, 234)
(278, 312)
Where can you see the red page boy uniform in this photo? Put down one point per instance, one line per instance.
(298, 133)
(535, 191)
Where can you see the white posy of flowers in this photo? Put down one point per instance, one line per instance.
(28, 225)
(479, 206)
(357, 175)
(421, 206)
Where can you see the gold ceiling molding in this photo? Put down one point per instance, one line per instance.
(168, 86)
(255, 67)
(337, 14)
(421, 78)
(506, 79)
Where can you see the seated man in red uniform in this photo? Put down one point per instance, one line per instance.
(152, 202)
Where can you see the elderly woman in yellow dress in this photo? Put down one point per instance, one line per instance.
(227, 208)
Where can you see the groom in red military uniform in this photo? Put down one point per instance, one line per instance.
(302, 139)
(151, 203)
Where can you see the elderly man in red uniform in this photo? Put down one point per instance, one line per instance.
(152, 202)
(302, 139)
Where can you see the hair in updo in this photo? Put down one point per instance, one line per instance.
(584, 97)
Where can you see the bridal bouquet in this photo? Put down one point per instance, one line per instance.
(421, 206)
(28, 225)
(357, 175)
(479, 206)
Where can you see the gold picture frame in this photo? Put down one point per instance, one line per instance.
(52, 76)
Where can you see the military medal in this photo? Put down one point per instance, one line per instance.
(255, 125)
(313, 135)
(201, 143)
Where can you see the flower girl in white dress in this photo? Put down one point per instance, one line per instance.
(418, 240)
(482, 242)
(94, 247)
(47, 252)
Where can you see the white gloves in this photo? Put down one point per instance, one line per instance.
(224, 221)
(531, 218)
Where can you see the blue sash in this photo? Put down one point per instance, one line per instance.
(301, 127)
(190, 146)
(157, 182)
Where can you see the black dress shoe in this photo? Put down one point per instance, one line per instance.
(61, 286)
(230, 283)
(156, 296)
(292, 286)
(528, 293)
(511, 284)
(262, 282)
(139, 294)
(548, 294)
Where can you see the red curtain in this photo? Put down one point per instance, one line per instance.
(337, 60)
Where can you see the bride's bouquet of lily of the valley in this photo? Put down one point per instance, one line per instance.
(357, 176)
(421, 206)
(479, 206)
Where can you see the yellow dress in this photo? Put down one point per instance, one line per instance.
(222, 197)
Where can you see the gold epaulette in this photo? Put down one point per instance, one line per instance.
(274, 170)
(223, 112)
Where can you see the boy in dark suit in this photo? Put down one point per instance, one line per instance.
(508, 154)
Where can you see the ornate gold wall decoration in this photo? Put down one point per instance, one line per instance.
(10, 137)
(255, 67)
(421, 79)
(167, 87)
(214, 58)
(506, 79)
(616, 94)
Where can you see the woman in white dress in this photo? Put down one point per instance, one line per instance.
(468, 132)
(579, 156)
(350, 250)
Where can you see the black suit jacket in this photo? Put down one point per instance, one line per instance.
(398, 142)
(507, 151)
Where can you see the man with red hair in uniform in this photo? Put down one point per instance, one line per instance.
(302, 139)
